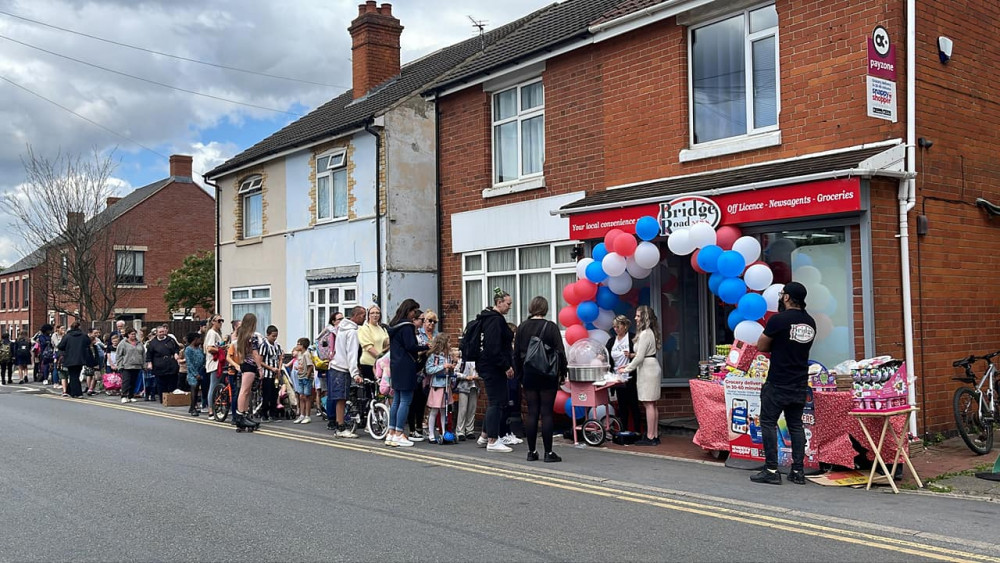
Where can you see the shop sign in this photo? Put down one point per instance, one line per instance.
(685, 211)
(812, 199)
(881, 55)
(882, 99)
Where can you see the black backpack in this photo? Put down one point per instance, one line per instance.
(541, 358)
(472, 340)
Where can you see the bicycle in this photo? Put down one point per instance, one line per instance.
(363, 404)
(976, 408)
(222, 401)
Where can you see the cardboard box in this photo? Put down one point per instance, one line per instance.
(177, 399)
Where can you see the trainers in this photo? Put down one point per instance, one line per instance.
(345, 433)
(305, 420)
(482, 442)
(299, 419)
(416, 436)
(124, 400)
(498, 446)
(797, 476)
(551, 457)
(132, 400)
(402, 441)
(390, 441)
(767, 477)
(508, 440)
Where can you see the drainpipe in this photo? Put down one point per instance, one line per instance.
(437, 206)
(378, 207)
(907, 200)
(218, 234)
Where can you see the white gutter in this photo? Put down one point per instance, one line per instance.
(907, 200)
(846, 173)
(629, 22)
(285, 152)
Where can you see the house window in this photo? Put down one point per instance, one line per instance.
(331, 186)
(256, 300)
(252, 200)
(3, 295)
(518, 132)
(524, 273)
(24, 291)
(64, 271)
(14, 294)
(130, 265)
(327, 299)
(734, 76)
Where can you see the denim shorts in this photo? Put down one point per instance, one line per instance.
(340, 384)
(303, 386)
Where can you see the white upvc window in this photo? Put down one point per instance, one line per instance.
(130, 267)
(518, 132)
(327, 299)
(734, 86)
(252, 299)
(331, 186)
(252, 201)
(524, 273)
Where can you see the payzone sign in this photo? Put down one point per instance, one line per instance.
(683, 212)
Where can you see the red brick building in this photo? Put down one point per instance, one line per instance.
(597, 112)
(157, 226)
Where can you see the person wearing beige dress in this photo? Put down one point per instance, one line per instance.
(647, 345)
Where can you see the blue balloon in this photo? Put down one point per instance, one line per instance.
(587, 311)
(644, 296)
(752, 306)
(708, 257)
(734, 319)
(595, 272)
(647, 228)
(731, 289)
(713, 282)
(730, 263)
(580, 412)
(589, 326)
(606, 299)
(599, 252)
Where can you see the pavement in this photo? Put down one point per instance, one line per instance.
(94, 480)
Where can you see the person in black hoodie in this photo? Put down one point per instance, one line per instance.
(161, 359)
(74, 353)
(495, 367)
(403, 365)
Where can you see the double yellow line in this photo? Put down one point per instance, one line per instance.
(702, 509)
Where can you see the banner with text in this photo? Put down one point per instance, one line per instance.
(743, 420)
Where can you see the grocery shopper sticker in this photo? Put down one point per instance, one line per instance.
(882, 98)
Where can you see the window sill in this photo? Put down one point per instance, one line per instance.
(320, 222)
(132, 286)
(249, 241)
(508, 188)
(742, 144)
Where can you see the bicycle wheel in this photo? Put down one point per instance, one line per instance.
(593, 432)
(378, 420)
(976, 433)
(221, 403)
(351, 416)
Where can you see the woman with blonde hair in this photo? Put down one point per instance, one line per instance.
(374, 340)
(245, 359)
(620, 351)
(645, 347)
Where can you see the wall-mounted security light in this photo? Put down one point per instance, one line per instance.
(944, 48)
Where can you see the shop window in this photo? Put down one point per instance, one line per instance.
(734, 76)
(256, 300)
(518, 132)
(327, 299)
(252, 201)
(331, 186)
(524, 273)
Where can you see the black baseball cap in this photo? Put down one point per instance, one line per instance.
(796, 291)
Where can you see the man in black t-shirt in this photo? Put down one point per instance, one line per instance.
(788, 336)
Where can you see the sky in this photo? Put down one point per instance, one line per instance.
(306, 40)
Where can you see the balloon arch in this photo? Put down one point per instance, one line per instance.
(736, 276)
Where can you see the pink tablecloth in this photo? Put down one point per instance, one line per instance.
(830, 434)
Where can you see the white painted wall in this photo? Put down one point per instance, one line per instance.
(492, 227)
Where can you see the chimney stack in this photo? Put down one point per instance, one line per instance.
(111, 201)
(74, 220)
(375, 46)
(180, 165)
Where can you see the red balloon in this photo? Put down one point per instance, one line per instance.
(567, 316)
(610, 237)
(694, 261)
(576, 333)
(726, 236)
(585, 290)
(560, 406)
(569, 294)
(625, 244)
(768, 315)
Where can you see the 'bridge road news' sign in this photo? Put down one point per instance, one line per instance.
(881, 79)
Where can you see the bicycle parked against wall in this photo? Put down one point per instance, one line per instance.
(976, 408)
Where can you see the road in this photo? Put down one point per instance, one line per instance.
(94, 480)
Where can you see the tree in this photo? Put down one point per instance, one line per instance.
(61, 209)
(193, 284)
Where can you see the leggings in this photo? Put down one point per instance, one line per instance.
(496, 399)
(415, 417)
(540, 401)
(129, 376)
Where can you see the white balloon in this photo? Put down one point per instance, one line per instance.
(598, 335)
(771, 296)
(807, 275)
(605, 319)
(620, 285)
(634, 269)
(647, 255)
(613, 264)
(600, 411)
(702, 235)
(581, 268)
(679, 242)
(758, 277)
(749, 247)
(817, 296)
(748, 331)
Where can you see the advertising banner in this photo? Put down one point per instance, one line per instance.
(882, 99)
(743, 420)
